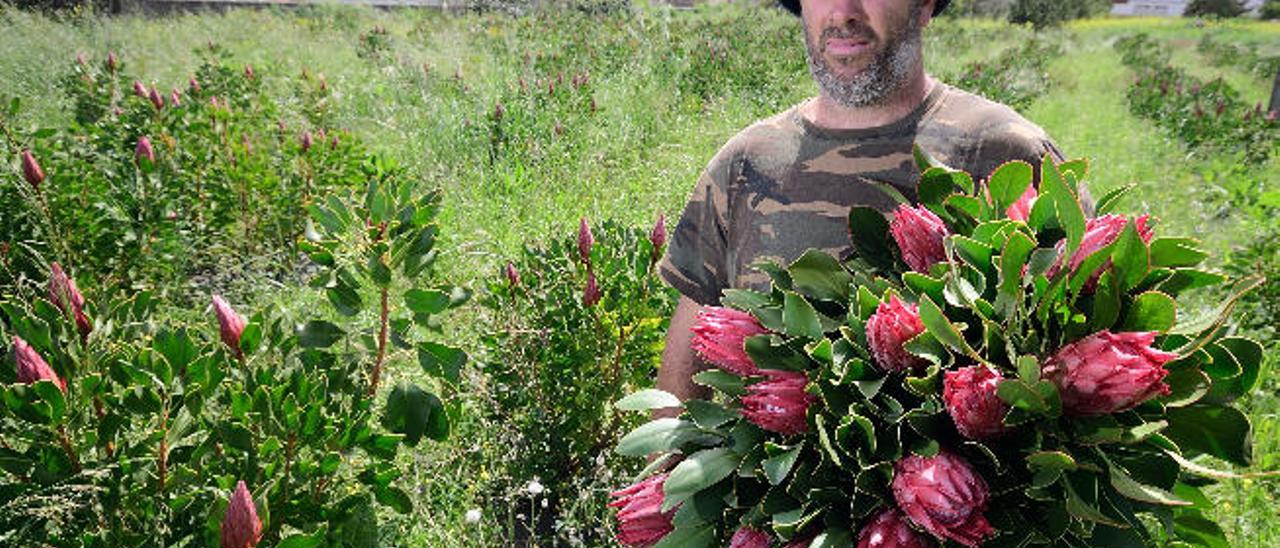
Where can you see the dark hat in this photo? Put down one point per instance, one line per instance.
(793, 6)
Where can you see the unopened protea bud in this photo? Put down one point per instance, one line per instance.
(779, 403)
(306, 141)
(1099, 232)
(241, 527)
(193, 85)
(593, 105)
(333, 142)
(1021, 209)
(230, 324)
(591, 293)
(585, 240)
(1108, 372)
(749, 537)
(248, 71)
(970, 396)
(31, 169)
(498, 111)
(658, 235)
(175, 98)
(155, 98)
(144, 150)
(889, 529)
(888, 330)
(139, 89)
(31, 367)
(66, 296)
(719, 337)
(641, 521)
(80, 60)
(944, 495)
(919, 234)
(112, 62)
(213, 101)
(513, 276)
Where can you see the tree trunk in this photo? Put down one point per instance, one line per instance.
(1275, 94)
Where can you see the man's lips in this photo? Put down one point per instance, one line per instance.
(846, 46)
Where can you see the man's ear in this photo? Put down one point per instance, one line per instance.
(926, 12)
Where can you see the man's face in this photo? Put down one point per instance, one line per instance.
(862, 51)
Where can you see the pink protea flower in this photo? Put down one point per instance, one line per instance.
(889, 529)
(944, 495)
(248, 71)
(175, 98)
(80, 60)
(31, 169)
(585, 240)
(1099, 232)
(64, 294)
(333, 142)
(139, 89)
(156, 100)
(641, 521)
(241, 527)
(591, 293)
(513, 276)
(1021, 209)
(306, 141)
(1108, 372)
(970, 395)
(747, 537)
(919, 235)
(193, 85)
(112, 62)
(892, 325)
(230, 324)
(658, 235)
(144, 150)
(498, 111)
(719, 337)
(779, 403)
(31, 367)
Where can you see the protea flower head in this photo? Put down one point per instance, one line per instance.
(585, 240)
(498, 111)
(1099, 232)
(779, 403)
(658, 235)
(175, 98)
(892, 325)
(193, 85)
(747, 537)
(1108, 372)
(306, 141)
(641, 521)
(144, 150)
(944, 495)
(248, 71)
(241, 527)
(80, 59)
(333, 142)
(513, 276)
(64, 294)
(139, 89)
(591, 293)
(970, 395)
(156, 99)
(889, 529)
(230, 324)
(112, 62)
(1021, 209)
(31, 169)
(919, 235)
(719, 337)
(31, 367)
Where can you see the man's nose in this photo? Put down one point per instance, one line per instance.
(846, 10)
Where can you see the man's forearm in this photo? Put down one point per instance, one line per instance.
(679, 361)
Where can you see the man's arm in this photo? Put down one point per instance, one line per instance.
(679, 361)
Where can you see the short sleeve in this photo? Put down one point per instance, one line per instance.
(696, 259)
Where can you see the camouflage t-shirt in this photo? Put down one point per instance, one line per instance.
(784, 185)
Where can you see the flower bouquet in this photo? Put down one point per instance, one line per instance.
(991, 367)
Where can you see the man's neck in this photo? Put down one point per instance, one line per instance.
(824, 112)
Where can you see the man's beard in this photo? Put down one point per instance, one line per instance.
(886, 74)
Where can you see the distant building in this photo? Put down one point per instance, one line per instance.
(1164, 8)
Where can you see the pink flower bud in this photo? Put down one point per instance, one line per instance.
(139, 89)
(306, 141)
(31, 169)
(780, 403)
(1099, 232)
(1108, 372)
(156, 100)
(144, 150)
(658, 235)
(64, 294)
(513, 276)
(591, 294)
(230, 324)
(747, 537)
(889, 529)
(719, 337)
(944, 495)
(1021, 209)
(333, 142)
(641, 521)
(241, 527)
(970, 395)
(248, 71)
(31, 367)
(213, 101)
(193, 85)
(248, 145)
(893, 324)
(498, 111)
(80, 60)
(585, 240)
(112, 62)
(919, 235)
(1272, 115)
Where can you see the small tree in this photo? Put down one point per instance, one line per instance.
(1214, 8)
(1270, 10)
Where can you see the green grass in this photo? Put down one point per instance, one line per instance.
(637, 156)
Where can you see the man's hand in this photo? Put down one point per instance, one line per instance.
(679, 362)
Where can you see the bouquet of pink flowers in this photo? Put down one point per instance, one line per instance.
(992, 367)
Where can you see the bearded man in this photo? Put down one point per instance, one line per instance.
(786, 183)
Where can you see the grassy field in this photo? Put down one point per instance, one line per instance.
(653, 128)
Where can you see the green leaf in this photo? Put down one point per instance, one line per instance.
(379, 272)
(1186, 386)
(1111, 199)
(1054, 187)
(1028, 369)
(393, 497)
(1130, 488)
(1130, 258)
(820, 276)
(251, 337)
(414, 412)
(799, 318)
(649, 398)
(303, 540)
(869, 231)
(1150, 311)
(781, 459)
(701, 470)
(319, 334)
(833, 538)
(1174, 252)
(659, 435)
(941, 328)
(1222, 432)
(442, 361)
(1016, 252)
(51, 393)
(723, 381)
(693, 536)
(344, 298)
(1008, 182)
(709, 415)
(426, 301)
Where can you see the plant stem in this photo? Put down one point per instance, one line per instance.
(382, 344)
(163, 457)
(66, 446)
